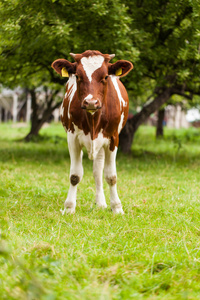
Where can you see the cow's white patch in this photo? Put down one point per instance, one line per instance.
(98, 165)
(116, 86)
(76, 169)
(121, 123)
(62, 110)
(89, 97)
(71, 89)
(91, 64)
(92, 146)
(110, 172)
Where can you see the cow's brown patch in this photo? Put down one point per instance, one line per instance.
(74, 179)
(111, 180)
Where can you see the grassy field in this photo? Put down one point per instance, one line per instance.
(151, 252)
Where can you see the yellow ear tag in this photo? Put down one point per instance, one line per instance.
(64, 72)
(118, 72)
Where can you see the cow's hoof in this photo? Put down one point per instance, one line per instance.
(100, 201)
(67, 210)
(69, 207)
(101, 205)
(63, 211)
(118, 210)
(70, 210)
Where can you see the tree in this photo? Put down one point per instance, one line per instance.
(167, 35)
(41, 112)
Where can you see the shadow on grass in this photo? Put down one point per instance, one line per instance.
(58, 153)
(43, 149)
(175, 155)
(55, 139)
(50, 148)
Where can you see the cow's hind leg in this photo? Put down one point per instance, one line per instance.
(98, 165)
(76, 172)
(111, 178)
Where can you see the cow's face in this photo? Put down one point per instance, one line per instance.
(92, 70)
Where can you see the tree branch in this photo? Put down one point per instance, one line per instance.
(182, 93)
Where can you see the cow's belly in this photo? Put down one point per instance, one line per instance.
(92, 146)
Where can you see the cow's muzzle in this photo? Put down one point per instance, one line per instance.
(91, 105)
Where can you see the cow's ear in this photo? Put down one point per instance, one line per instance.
(64, 67)
(120, 68)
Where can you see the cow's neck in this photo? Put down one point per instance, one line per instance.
(93, 123)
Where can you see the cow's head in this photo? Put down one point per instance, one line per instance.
(92, 71)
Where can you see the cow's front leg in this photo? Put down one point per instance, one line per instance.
(98, 165)
(76, 172)
(111, 178)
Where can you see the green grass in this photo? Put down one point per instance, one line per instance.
(151, 252)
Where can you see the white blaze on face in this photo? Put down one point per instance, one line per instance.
(91, 64)
(89, 97)
(116, 86)
(71, 89)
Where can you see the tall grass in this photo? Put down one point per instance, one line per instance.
(151, 252)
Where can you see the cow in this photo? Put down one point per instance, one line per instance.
(93, 112)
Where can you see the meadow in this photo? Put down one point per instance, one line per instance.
(150, 252)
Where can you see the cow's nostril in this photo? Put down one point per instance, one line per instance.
(90, 104)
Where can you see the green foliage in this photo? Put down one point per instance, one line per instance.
(152, 252)
(160, 38)
(35, 33)
(166, 34)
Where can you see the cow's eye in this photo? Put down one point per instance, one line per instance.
(77, 77)
(104, 79)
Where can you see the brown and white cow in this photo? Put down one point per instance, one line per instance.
(93, 112)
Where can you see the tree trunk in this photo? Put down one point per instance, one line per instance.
(127, 134)
(159, 127)
(36, 125)
(36, 122)
(126, 137)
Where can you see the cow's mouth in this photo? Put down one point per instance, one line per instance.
(91, 110)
